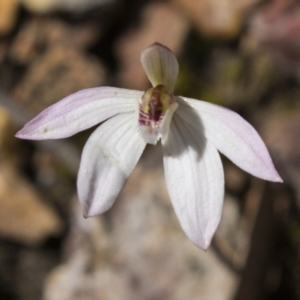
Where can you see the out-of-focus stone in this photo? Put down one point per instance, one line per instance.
(23, 216)
(217, 18)
(281, 134)
(61, 71)
(41, 33)
(58, 66)
(8, 15)
(276, 26)
(139, 247)
(46, 6)
(161, 23)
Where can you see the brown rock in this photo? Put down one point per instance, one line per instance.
(46, 6)
(39, 6)
(41, 33)
(217, 18)
(23, 215)
(276, 27)
(155, 27)
(281, 134)
(8, 15)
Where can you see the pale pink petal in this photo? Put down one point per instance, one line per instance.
(80, 111)
(160, 65)
(195, 181)
(231, 135)
(108, 158)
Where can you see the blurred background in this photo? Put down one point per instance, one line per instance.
(244, 55)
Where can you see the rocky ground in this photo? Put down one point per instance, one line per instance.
(244, 55)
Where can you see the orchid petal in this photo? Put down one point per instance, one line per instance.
(231, 135)
(80, 111)
(108, 158)
(160, 65)
(195, 181)
(166, 121)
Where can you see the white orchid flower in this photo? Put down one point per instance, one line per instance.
(191, 132)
